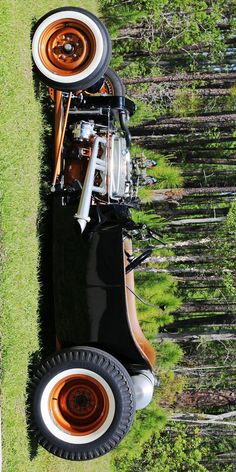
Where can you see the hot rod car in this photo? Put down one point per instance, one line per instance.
(85, 395)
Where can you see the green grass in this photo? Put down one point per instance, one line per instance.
(21, 146)
(21, 138)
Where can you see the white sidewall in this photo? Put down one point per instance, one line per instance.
(48, 418)
(98, 54)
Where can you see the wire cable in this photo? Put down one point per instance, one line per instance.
(140, 299)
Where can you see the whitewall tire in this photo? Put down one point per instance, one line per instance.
(82, 403)
(71, 48)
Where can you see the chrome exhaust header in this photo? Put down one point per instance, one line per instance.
(95, 163)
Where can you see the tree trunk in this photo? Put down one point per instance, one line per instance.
(179, 212)
(172, 144)
(177, 194)
(189, 221)
(218, 320)
(202, 368)
(182, 78)
(205, 306)
(205, 398)
(205, 419)
(199, 278)
(208, 162)
(196, 337)
(187, 272)
(207, 92)
(184, 128)
(181, 244)
(183, 259)
(192, 120)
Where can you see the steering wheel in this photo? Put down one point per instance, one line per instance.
(135, 262)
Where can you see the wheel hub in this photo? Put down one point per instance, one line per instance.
(79, 404)
(67, 47)
(82, 401)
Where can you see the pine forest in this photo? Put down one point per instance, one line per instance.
(177, 60)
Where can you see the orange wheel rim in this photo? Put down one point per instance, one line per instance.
(106, 88)
(79, 404)
(67, 47)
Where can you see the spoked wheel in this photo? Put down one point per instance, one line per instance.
(71, 49)
(82, 403)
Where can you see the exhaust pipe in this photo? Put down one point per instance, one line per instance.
(95, 163)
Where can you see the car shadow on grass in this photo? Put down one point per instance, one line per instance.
(46, 325)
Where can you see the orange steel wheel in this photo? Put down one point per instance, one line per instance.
(71, 49)
(79, 404)
(67, 47)
(112, 85)
(82, 403)
(106, 89)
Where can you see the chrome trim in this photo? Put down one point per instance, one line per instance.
(143, 383)
(95, 163)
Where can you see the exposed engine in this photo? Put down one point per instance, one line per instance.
(96, 163)
(112, 178)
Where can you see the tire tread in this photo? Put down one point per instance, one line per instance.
(116, 371)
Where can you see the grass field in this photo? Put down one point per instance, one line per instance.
(21, 140)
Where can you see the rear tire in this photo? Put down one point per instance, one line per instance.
(116, 83)
(112, 85)
(82, 403)
(71, 49)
